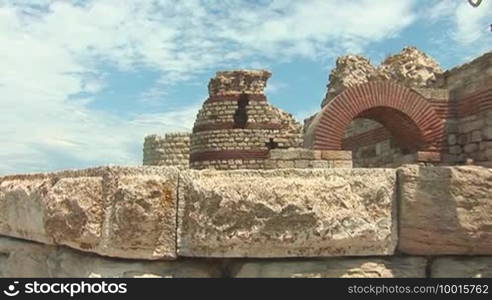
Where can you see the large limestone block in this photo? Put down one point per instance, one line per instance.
(285, 213)
(394, 267)
(74, 211)
(462, 267)
(115, 211)
(23, 206)
(27, 259)
(445, 210)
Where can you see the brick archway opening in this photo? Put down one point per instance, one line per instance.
(406, 114)
(402, 128)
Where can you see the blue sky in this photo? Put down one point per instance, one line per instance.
(82, 82)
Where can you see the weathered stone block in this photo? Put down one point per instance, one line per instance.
(470, 148)
(424, 156)
(488, 117)
(404, 159)
(395, 267)
(488, 153)
(74, 211)
(284, 213)
(476, 136)
(485, 145)
(470, 126)
(336, 155)
(23, 206)
(452, 139)
(342, 164)
(114, 211)
(26, 259)
(452, 126)
(321, 164)
(449, 158)
(141, 220)
(487, 133)
(445, 210)
(310, 154)
(463, 139)
(301, 164)
(285, 164)
(462, 267)
(270, 164)
(282, 154)
(455, 149)
(293, 154)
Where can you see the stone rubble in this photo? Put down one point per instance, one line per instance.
(411, 67)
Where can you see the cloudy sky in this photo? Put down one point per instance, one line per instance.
(83, 81)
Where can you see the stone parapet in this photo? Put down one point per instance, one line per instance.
(412, 221)
(287, 213)
(112, 211)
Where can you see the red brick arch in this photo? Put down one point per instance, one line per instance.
(409, 117)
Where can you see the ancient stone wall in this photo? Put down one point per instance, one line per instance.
(414, 118)
(373, 146)
(462, 81)
(469, 125)
(171, 150)
(371, 143)
(407, 222)
(301, 158)
(461, 98)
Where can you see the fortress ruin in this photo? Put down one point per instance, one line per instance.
(407, 110)
(391, 178)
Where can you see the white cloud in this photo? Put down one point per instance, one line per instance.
(307, 28)
(54, 49)
(473, 24)
(466, 26)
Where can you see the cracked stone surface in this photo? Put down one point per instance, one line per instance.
(127, 212)
(284, 213)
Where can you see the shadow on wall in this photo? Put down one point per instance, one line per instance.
(429, 218)
(241, 115)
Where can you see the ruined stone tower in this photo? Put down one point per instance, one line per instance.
(236, 127)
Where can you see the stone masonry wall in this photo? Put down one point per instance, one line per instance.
(471, 142)
(373, 147)
(171, 150)
(461, 96)
(164, 222)
(371, 144)
(301, 158)
(469, 125)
